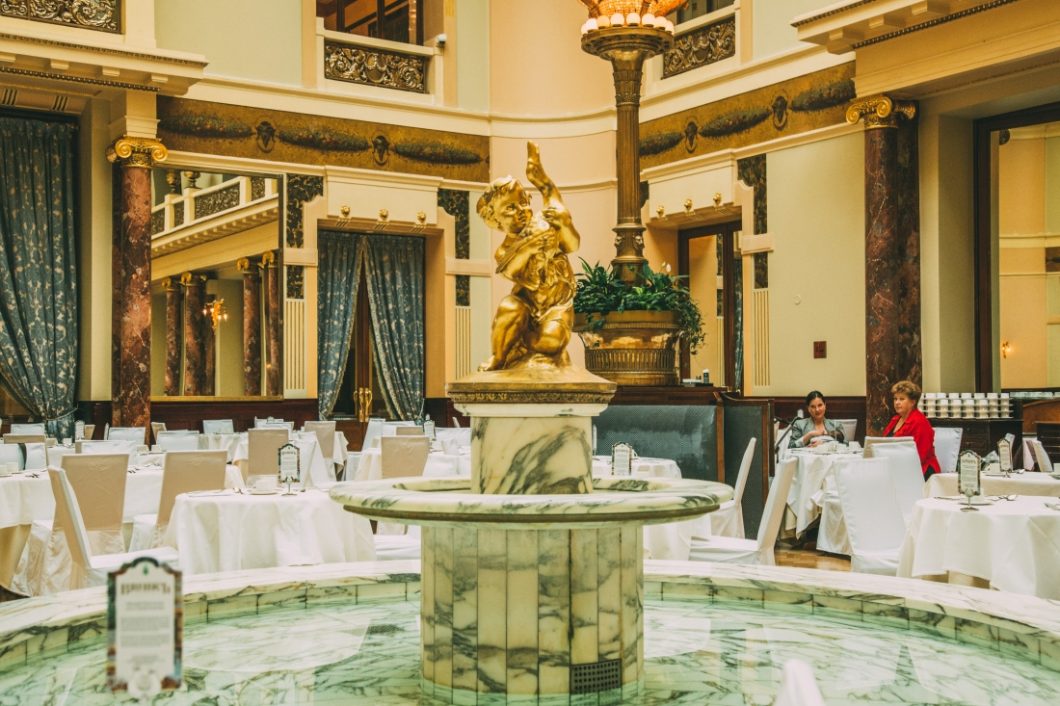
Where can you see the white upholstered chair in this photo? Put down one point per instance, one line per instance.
(875, 526)
(325, 432)
(408, 431)
(31, 428)
(948, 447)
(177, 440)
(404, 455)
(263, 447)
(134, 434)
(850, 429)
(24, 438)
(752, 551)
(727, 520)
(218, 426)
(903, 462)
(1041, 458)
(182, 472)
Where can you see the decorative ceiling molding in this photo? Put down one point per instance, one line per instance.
(32, 98)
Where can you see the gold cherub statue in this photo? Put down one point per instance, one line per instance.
(532, 325)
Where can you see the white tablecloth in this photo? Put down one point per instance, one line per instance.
(1014, 545)
(813, 477)
(26, 498)
(1015, 484)
(229, 531)
(370, 465)
(232, 443)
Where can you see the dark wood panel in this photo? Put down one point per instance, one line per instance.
(667, 394)
(1049, 435)
(1035, 411)
(188, 414)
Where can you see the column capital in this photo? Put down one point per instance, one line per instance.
(169, 284)
(137, 152)
(189, 279)
(268, 259)
(879, 111)
(243, 265)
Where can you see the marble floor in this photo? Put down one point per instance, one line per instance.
(726, 652)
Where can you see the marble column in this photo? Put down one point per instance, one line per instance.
(194, 353)
(273, 333)
(174, 298)
(209, 348)
(890, 278)
(131, 273)
(251, 327)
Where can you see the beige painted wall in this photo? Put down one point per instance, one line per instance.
(472, 54)
(817, 271)
(229, 337)
(1052, 185)
(1021, 186)
(772, 30)
(214, 29)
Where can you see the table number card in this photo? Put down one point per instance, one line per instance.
(622, 459)
(1004, 452)
(968, 474)
(289, 462)
(144, 628)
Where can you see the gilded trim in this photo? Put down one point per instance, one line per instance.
(137, 152)
(930, 23)
(702, 46)
(78, 79)
(99, 50)
(96, 15)
(355, 63)
(879, 111)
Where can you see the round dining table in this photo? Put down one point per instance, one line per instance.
(1011, 544)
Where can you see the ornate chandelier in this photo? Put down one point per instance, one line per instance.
(604, 14)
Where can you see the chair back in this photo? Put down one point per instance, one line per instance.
(325, 432)
(372, 431)
(776, 501)
(948, 447)
(218, 426)
(56, 453)
(108, 447)
(272, 423)
(32, 429)
(98, 481)
(872, 442)
(177, 440)
(68, 518)
(745, 469)
(906, 475)
(404, 455)
(90, 431)
(263, 447)
(186, 472)
(850, 429)
(867, 496)
(156, 428)
(1041, 458)
(408, 431)
(13, 453)
(36, 456)
(136, 434)
(24, 438)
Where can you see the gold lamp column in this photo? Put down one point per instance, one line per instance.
(626, 33)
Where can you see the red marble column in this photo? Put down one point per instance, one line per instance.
(273, 332)
(174, 297)
(891, 270)
(194, 353)
(209, 348)
(251, 327)
(131, 309)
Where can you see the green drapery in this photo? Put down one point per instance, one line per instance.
(393, 268)
(341, 259)
(38, 268)
(394, 271)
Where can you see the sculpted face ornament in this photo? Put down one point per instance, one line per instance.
(532, 325)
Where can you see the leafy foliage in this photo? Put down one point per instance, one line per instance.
(601, 292)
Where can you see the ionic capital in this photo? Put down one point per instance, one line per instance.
(137, 152)
(879, 111)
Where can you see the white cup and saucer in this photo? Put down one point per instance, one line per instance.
(264, 485)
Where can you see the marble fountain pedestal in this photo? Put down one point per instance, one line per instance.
(532, 570)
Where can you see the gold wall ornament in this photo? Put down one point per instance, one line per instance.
(363, 398)
(384, 214)
(421, 217)
(688, 206)
(717, 199)
(344, 211)
(532, 326)
(98, 15)
(660, 211)
(137, 152)
(243, 264)
(268, 259)
(216, 310)
(879, 111)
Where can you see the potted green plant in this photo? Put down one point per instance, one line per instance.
(630, 332)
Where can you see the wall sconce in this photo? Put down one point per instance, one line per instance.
(688, 206)
(215, 309)
(1006, 348)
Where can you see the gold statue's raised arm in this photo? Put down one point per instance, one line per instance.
(532, 325)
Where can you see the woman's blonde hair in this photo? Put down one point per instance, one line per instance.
(907, 388)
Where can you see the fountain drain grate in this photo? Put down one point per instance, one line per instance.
(382, 629)
(597, 676)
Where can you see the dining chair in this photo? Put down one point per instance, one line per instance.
(218, 426)
(177, 440)
(157, 427)
(903, 462)
(408, 431)
(734, 550)
(798, 686)
(182, 472)
(25, 438)
(397, 547)
(90, 431)
(404, 455)
(325, 432)
(727, 520)
(1041, 457)
(13, 453)
(948, 447)
(372, 431)
(32, 428)
(875, 526)
(850, 429)
(871, 442)
(36, 456)
(263, 447)
(108, 447)
(91, 569)
(136, 434)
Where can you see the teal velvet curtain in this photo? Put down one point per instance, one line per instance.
(394, 271)
(340, 262)
(38, 268)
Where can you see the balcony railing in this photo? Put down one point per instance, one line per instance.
(199, 215)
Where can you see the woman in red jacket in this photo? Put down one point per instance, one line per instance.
(910, 421)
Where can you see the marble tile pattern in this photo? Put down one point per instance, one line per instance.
(194, 322)
(174, 340)
(251, 330)
(531, 455)
(340, 634)
(131, 380)
(273, 330)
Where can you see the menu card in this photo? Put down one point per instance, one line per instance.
(289, 460)
(144, 628)
(968, 474)
(1004, 452)
(622, 459)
